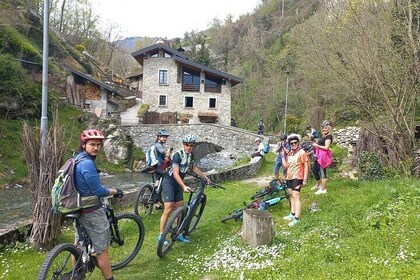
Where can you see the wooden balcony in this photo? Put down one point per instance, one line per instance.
(191, 87)
(213, 88)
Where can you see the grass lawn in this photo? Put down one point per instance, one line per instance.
(361, 230)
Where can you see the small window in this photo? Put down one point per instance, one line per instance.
(189, 102)
(163, 77)
(163, 100)
(212, 103)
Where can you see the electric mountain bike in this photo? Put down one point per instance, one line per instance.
(147, 197)
(260, 203)
(184, 220)
(70, 261)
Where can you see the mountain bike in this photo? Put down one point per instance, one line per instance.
(259, 203)
(70, 261)
(184, 220)
(147, 197)
(272, 189)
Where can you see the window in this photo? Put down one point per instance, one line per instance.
(189, 102)
(163, 77)
(212, 103)
(191, 80)
(163, 100)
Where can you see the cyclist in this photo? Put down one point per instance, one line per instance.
(161, 155)
(322, 158)
(296, 164)
(282, 146)
(88, 184)
(173, 184)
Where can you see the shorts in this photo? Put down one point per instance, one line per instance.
(172, 192)
(277, 166)
(96, 226)
(319, 173)
(294, 184)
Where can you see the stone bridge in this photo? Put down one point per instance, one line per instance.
(210, 137)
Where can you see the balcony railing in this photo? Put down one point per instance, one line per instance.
(213, 88)
(190, 87)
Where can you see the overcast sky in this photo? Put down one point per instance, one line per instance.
(168, 18)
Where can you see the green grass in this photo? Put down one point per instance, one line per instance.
(363, 230)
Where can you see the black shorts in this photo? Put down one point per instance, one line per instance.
(294, 184)
(172, 192)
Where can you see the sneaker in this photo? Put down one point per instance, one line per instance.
(182, 238)
(293, 223)
(158, 206)
(165, 243)
(314, 188)
(318, 192)
(289, 217)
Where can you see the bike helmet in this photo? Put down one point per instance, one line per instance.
(293, 137)
(163, 132)
(283, 137)
(90, 134)
(188, 139)
(326, 123)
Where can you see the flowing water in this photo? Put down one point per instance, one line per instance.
(15, 201)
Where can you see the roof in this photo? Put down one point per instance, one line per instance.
(183, 59)
(120, 93)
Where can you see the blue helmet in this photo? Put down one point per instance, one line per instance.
(188, 139)
(163, 132)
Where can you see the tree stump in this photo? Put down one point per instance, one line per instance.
(258, 227)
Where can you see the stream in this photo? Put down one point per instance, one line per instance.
(15, 201)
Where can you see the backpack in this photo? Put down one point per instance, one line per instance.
(266, 148)
(315, 134)
(151, 159)
(64, 195)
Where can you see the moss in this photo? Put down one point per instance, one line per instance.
(143, 109)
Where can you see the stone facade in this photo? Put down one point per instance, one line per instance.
(175, 97)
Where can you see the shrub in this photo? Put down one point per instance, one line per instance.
(370, 168)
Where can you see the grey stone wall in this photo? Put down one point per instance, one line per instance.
(345, 137)
(238, 142)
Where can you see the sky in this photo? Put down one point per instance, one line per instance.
(168, 18)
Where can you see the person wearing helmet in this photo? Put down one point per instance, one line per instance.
(162, 155)
(283, 145)
(297, 169)
(173, 185)
(322, 158)
(88, 184)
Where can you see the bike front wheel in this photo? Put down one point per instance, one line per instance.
(196, 214)
(236, 214)
(131, 231)
(143, 203)
(174, 228)
(59, 263)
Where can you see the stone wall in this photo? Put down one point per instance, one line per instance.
(235, 141)
(345, 137)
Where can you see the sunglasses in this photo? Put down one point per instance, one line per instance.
(294, 142)
(189, 145)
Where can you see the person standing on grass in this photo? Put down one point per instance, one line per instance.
(173, 185)
(93, 216)
(282, 146)
(322, 158)
(297, 169)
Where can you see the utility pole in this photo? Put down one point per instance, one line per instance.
(44, 108)
(285, 106)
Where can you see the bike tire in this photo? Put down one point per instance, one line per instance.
(131, 230)
(143, 204)
(58, 263)
(196, 215)
(173, 229)
(236, 215)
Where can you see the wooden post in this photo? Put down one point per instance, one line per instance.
(258, 227)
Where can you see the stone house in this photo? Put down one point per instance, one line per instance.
(180, 90)
(90, 94)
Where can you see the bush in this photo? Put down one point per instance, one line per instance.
(370, 168)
